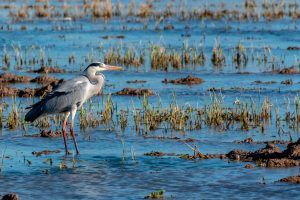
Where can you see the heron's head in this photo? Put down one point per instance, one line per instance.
(99, 67)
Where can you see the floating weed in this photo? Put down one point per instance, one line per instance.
(62, 165)
(48, 160)
(159, 194)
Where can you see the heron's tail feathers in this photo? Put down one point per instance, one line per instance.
(34, 113)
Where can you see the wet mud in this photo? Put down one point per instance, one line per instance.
(44, 152)
(291, 179)
(189, 80)
(270, 156)
(31, 92)
(47, 134)
(47, 70)
(135, 92)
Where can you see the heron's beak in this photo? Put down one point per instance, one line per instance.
(110, 67)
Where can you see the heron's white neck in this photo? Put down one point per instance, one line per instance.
(96, 80)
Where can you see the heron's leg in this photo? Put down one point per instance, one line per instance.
(64, 131)
(73, 112)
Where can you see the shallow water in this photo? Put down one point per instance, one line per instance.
(102, 170)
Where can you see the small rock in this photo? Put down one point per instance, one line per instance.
(290, 70)
(293, 48)
(168, 27)
(287, 82)
(248, 166)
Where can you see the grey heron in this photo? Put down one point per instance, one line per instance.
(68, 97)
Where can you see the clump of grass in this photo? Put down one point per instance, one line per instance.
(119, 8)
(240, 57)
(83, 118)
(107, 114)
(218, 58)
(101, 9)
(202, 57)
(131, 8)
(5, 58)
(130, 58)
(145, 10)
(123, 120)
(159, 58)
(42, 57)
(41, 11)
(43, 122)
(13, 118)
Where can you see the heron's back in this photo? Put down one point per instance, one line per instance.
(71, 93)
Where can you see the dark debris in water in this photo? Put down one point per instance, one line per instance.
(290, 70)
(160, 154)
(171, 138)
(287, 82)
(189, 80)
(46, 70)
(251, 141)
(44, 152)
(46, 133)
(264, 82)
(106, 37)
(136, 81)
(135, 92)
(213, 89)
(293, 48)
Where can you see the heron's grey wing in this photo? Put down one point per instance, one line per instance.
(70, 93)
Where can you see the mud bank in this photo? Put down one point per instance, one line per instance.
(271, 156)
(189, 80)
(135, 92)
